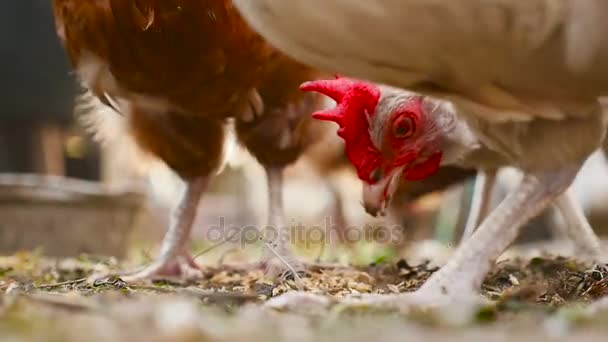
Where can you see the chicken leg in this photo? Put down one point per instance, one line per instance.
(460, 279)
(578, 229)
(465, 272)
(480, 202)
(276, 234)
(339, 228)
(174, 259)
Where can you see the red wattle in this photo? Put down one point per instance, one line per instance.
(425, 169)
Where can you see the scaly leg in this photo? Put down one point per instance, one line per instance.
(577, 227)
(461, 278)
(174, 260)
(466, 270)
(337, 232)
(482, 189)
(276, 234)
(340, 226)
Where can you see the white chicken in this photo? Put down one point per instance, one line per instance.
(524, 76)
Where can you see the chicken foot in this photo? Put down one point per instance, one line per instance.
(174, 261)
(461, 278)
(276, 234)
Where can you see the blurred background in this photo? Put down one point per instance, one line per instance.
(37, 98)
(66, 194)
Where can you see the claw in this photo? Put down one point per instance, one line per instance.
(183, 270)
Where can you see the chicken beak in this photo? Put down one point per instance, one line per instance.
(377, 197)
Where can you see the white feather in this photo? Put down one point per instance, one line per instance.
(501, 60)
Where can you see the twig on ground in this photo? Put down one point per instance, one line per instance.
(63, 283)
(209, 295)
(212, 247)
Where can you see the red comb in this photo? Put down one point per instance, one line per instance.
(356, 101)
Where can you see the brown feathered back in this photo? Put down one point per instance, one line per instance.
(197, 55)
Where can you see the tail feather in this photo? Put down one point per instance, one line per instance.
(123, 159)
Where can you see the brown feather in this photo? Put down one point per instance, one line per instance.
(198, 55)
(182, 67)
(286, 127)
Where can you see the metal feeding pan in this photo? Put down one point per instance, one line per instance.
(65, 217)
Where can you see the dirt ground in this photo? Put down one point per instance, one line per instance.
(64, 300)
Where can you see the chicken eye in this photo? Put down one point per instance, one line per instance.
(376, 175)
(403, 127)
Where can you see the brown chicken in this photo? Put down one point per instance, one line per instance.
(177, 70)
